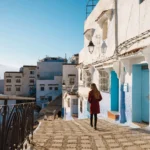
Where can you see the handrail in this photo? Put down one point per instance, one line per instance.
(6, 97)
(16, 123)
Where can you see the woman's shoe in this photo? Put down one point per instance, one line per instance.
(95, 128)
(91, 125)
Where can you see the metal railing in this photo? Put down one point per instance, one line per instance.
(16, 123)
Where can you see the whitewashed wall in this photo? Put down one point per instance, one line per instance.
(47, 92)
(69, 69)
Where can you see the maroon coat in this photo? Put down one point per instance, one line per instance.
(94, 103)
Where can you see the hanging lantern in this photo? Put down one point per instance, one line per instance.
(91, 47)
(103, 48)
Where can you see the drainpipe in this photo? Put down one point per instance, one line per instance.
(116, 28)
(122, 96)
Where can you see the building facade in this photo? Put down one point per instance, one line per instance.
(21, 83)
(49, 81)
(119, 62)
(70, 88)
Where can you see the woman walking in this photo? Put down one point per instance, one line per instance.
(94, 98)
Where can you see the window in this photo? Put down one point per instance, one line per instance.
(75, 102)
(50, 98)
(8, 80)
(42, 97)
(50, 88)
(56, 88)
(8, 89)
(32, 81)
(18, 89)
(31, 88)
(18, 80)
(105, 29)
(72, 81)
(32, 72)
(42, 88)
(104, 81)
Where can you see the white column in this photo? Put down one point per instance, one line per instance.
(146, 53)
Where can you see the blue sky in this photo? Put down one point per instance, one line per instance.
(32, 29)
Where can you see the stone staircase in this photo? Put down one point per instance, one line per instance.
(53, 105)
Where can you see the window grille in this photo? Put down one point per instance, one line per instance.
(104, 81)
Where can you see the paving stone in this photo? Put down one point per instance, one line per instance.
(133, 148)
(140, 142)
(58, 137)
(145, 146)
(54, 149)
(57, 145)
(72, 145)
(119, 148)
(57, 141)
(113, 145)
(86, 145)
(72, 141)
(84, 137)
(110, 141)
(122, 140)
(71, 149)
(107, 136)
(85, 141)
(127, 144)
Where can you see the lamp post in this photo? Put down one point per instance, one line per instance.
(91, 47)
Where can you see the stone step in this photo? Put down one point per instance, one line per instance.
(113, 115)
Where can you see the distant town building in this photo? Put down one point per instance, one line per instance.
(21, 83)
(13, 83)
(49, 79)
(70, 88)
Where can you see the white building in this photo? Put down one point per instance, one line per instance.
(13, 83)
(49, 82)
(119, 63)
(20, 83)
(70, 102)
(29, 80)
(70, 88)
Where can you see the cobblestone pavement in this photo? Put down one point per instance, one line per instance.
(78, 135)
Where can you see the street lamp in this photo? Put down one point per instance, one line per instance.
(91, 47)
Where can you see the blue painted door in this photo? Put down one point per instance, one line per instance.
(144, 95)
(114, 91)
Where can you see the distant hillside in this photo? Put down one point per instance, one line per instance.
(4, 68)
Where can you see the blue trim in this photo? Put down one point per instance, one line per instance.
(114, 92)
(122, 106)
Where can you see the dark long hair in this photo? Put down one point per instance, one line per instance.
(96, 92)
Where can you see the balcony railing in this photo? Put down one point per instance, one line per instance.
(16, 123)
